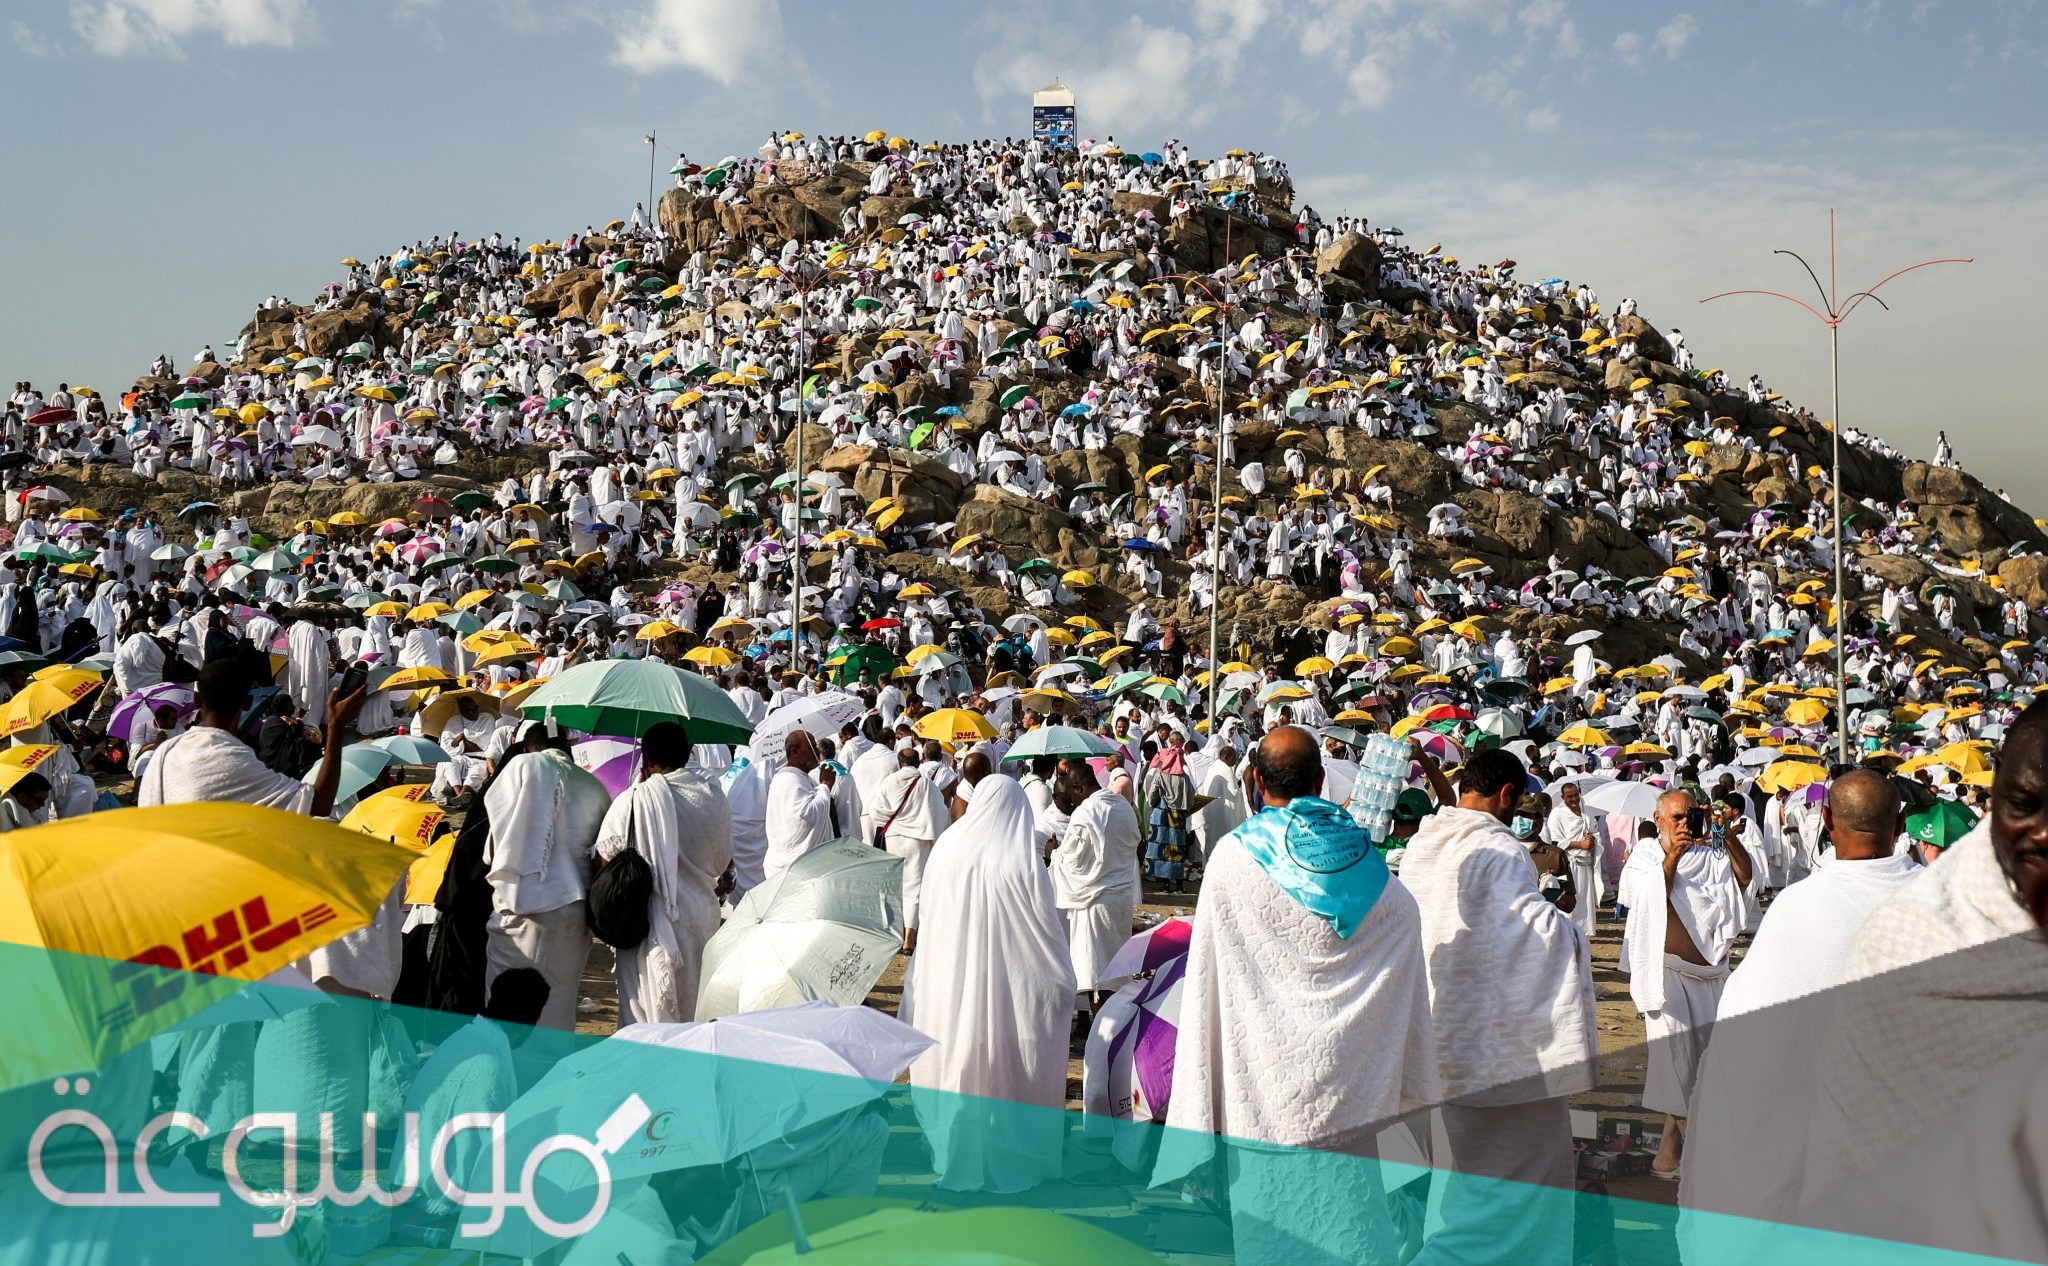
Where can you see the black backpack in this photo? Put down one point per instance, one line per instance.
(618, 900)
(221, 641)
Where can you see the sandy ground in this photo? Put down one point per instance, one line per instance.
(1643, 1212)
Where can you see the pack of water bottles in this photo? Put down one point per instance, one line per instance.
(1382, 776)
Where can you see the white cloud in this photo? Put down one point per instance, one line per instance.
(1542, 119)
(1673, 36)
(1633, 48)
(723, 40)
(132, 28)
(33, 43)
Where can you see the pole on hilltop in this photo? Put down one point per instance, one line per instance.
(1833, 311)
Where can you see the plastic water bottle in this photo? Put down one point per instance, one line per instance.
(1382, 775)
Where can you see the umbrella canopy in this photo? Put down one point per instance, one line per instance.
(145, 702)
(403, 815)
(615, 762)
(411, 749)
(848, 664)
(1629, 799)
(1063, 741)
(44, 698)
(826, 928)
(955, 725)
(126, 886)
(820, 715)
(1941, 824)
(628, 697)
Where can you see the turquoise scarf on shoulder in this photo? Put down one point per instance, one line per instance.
(1319, 857)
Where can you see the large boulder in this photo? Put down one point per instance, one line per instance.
(1650, 344)
(267, 336)
(1018, 522)
(1350, 267)
(1968, 517)
(925, 487)
(1418, 476)
(2026, 578)
(577, 293)
(362, 320)
(1079, 466)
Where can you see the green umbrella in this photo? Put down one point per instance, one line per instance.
(470, 501)
(866, 304)
(1346, 735)
(190, 400)
(461, 622)
(626, 698)
(922, 433)
(1165, 691)
(496, 564)
(275, 560)
(1037, 564)
(45, 551)
(1012, 397)
(1061, 740)
(561, 591)
(1125, 681)
(848, 664)
(1941, 823)
(743, 481)
(367, 598)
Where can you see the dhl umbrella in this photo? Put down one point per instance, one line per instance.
(711, 656)
(404, 815)
(38, 701)
(955, 725)
(129, 921)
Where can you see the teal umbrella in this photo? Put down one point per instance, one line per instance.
(360, 765)
(275, 560)
(1941, 823)
(1165, 691)
(561, 591)
(1125, 681)
(462, 622)
(625, 698)
(1061, 740)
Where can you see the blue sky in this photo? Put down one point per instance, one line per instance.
(169, 163)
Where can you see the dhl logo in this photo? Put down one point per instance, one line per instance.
(212, 947)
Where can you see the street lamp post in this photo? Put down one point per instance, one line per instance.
(1833, 311)
(649, 138)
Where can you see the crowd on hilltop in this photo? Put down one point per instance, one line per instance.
(596, 439)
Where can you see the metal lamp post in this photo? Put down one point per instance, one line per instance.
(1833, 311)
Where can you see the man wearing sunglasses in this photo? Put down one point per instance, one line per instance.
(1685, 907)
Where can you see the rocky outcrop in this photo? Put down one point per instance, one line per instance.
(1350, 268)
(1968, 517)
(577, 293)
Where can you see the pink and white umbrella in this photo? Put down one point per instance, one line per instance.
(418, 551)
(1127, 1068)
(144, 703)
(615, 762)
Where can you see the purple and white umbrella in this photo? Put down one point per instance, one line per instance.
(1127, 1068)
(145, 702)
(615, 762)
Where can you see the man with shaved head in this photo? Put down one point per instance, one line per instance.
(1745, 1145)
(1685, 907)
(1947, 977)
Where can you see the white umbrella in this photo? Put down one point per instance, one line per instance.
(1025, 624)
(848, 1041)
(1757, 756)
(1498, 722)
(1629, 799)
(1582, 637)
(823, 715)
(170, 553)
(826, 928)
(697, 514)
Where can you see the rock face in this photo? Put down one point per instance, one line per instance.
(1017, 522)
(1350, 267)
(577, 293)
(925, 487)
(1968, 517)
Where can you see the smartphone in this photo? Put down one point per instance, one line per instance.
(353, 678)
(1696, 822)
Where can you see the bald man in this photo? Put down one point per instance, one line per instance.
(1945, 980)
(1685, 906)
(1745, 1148)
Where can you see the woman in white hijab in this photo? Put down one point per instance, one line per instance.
(993, 985)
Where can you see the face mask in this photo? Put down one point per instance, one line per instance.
(1524, 828)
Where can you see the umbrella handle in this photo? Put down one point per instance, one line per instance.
(797, 1239)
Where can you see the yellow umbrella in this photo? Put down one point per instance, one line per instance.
(38, 701)
(1398, 647)
(655, 630)
(475, 597)
(1078, 578)
(347, 518)
(414, 678)
(711, 656)
(17, 763)
(403, 815)
(1964, 758)
(82, 514)
(1315, 666)
(520, 652)
(955, 725)
(1791, 775)
(1082, 622)
(201, 891)
(1585, 736)
(1806, 712)
(428, 611)
(918, 653)
(918, 589)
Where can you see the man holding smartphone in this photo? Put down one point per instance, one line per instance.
(1685, 907)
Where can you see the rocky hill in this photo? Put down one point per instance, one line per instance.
(1967, 528)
